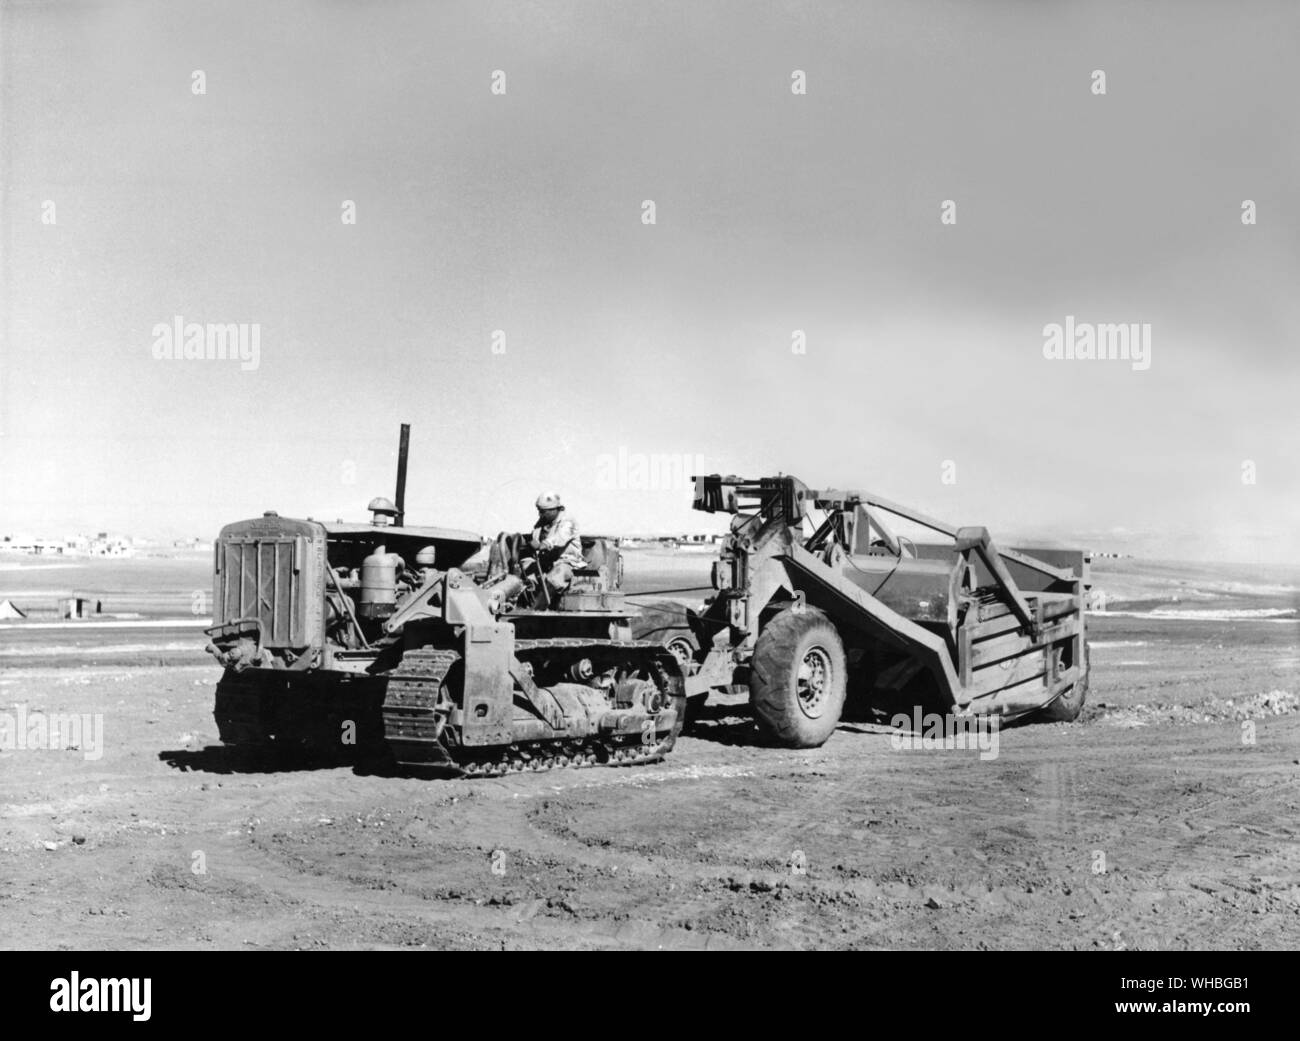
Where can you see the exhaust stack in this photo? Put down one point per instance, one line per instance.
(399, 500)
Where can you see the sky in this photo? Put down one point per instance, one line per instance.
(920, 373)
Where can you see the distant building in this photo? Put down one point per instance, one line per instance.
(79, 607)
(102, 544)
(28, 544)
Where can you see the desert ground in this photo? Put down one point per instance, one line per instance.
(1166, 818)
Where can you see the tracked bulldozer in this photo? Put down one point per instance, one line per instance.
(387, 639)
(818, 599)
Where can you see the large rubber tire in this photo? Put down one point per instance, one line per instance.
(685, 647)
(1067, 707)
(683, 644)
(798, 678)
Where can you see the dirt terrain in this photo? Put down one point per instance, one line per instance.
(1154, 823)
(726, 844)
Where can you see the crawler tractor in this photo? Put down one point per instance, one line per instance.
(382, 637)
(818, 599)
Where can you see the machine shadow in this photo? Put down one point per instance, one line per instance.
(224, 759)
(724, 723)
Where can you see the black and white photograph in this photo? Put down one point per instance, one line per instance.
(688, 476)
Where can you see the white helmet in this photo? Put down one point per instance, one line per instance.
(549, 501)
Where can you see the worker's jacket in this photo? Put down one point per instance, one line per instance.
(559, 543)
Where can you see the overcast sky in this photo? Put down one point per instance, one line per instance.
(774, 212)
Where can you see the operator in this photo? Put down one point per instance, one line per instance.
(557, 545)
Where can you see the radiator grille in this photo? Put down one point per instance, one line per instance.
(274, 578)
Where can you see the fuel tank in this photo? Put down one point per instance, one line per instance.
(378, 598)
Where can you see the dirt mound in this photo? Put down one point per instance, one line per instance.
(1213, 710)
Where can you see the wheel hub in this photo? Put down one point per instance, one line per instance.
(813, 682)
